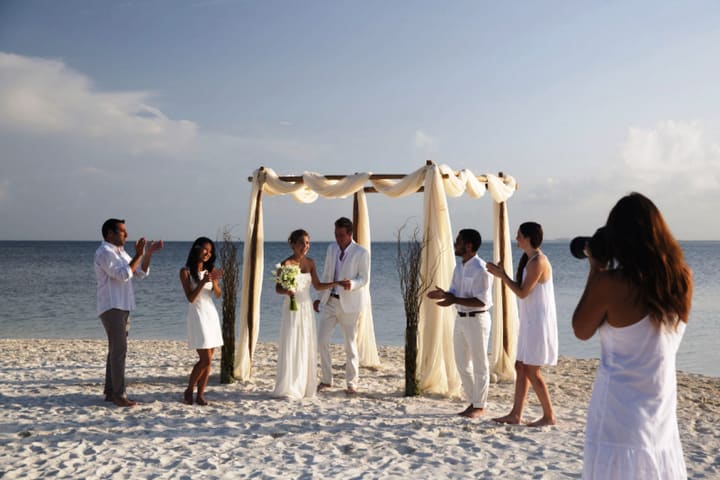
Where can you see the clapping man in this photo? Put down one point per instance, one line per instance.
(114, 271)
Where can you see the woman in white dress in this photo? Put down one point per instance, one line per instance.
(297, 349)
(538, 336)
(637, 297)
(200, 280)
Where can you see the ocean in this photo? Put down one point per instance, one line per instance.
(48, 291)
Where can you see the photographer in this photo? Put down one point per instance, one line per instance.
(637, 297)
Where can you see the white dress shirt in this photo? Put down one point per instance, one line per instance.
(114, 278)
(471, 279)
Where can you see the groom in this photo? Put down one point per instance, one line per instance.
(348, 264)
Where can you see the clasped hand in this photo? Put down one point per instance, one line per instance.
(154, 246)
(446, 298)
(214, 275)
(494, 269)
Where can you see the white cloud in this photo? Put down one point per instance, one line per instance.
(674, 153)
(42, 97)
(425, 142)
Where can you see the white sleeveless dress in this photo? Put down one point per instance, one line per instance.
(203, 321)
(632, 429)
(538, 333)
(297, 349)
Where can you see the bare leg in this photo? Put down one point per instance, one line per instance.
(522, 385)
(206, 363)
(538, 383)
(194, 376)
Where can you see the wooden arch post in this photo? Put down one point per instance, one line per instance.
(253, 272)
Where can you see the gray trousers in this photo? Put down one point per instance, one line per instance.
(117, 326)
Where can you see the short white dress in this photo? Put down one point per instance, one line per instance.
(538, 333)
(203, 321)
(632, 429)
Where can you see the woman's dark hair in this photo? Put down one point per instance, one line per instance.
(194, 257)
(534, 232)
(297, 235)
(650, 258)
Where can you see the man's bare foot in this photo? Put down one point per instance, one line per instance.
(322, 386)
(187, 397)
(473, 412)
(510, 419)
(124, 402)
(542, 422)
(351, 391)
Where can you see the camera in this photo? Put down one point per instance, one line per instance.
(597, 246)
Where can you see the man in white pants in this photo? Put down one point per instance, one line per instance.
(471, 291)
(348, 263)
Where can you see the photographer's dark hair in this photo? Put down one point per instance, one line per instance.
(650, 258)
(534, 232)
(194, 257)
(110, 225)
(297, 235)
(472, 237)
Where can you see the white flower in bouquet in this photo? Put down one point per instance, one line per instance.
(286, 277)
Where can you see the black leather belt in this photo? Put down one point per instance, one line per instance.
(335, 295)
(471, 314)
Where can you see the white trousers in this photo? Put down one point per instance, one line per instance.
(333, 315)
(470, 341)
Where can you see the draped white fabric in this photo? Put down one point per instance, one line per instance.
(436, 364)
(436, 361)
(367, 348)
(250, 297)
(503, 343)
(335, 188)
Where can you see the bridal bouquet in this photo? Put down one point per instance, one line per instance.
(286, 277)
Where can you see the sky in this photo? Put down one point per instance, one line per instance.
(158, 111)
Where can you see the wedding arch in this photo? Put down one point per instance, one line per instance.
(436, 363)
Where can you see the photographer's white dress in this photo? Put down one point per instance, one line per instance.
(297, 348)
(203, 322)
(538, 333)
(632, 429)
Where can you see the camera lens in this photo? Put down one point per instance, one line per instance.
(577, 247)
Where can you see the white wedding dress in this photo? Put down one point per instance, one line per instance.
(297, 349)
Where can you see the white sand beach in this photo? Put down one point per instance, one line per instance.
(55, 422)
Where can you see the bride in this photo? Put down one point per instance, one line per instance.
(297, 349)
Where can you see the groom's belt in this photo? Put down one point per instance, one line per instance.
(471, 314)
(335, 295)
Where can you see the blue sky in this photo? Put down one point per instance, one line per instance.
(157, 111)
